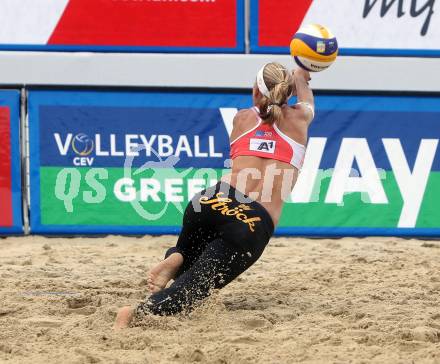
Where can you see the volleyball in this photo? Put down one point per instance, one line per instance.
(314, 48)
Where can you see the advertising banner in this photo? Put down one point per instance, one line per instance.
(128, 162)
(364, 27)
(10, 180)
(123, 25)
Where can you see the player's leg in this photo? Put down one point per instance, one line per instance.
(195, 235)
(219, 264)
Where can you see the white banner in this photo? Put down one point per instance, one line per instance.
(362, 27)
(391, 24)
(29, 21)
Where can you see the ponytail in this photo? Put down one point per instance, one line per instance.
(279, 85)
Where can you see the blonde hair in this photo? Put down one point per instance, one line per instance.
(279, 82)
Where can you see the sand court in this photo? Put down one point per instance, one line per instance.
(310, 301)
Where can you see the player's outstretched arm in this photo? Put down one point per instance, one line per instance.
(304, 94)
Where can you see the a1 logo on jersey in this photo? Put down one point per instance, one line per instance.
(262, 145)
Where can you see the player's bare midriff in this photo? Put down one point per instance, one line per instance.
(266, 181)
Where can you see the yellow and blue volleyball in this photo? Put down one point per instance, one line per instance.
(314, 48)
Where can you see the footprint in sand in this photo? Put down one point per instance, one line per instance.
(79, 302)
(243, 340)
(256, 323)
(197, 356)
(426, 334)
(4, 348)
(89, 357)
(4, 311)
(86, 311)
(421, 333)
(27, 261)
(44, 322)
(430, 245)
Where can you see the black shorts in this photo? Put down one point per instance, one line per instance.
(231, 216)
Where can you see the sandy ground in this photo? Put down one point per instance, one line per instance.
(311, 301)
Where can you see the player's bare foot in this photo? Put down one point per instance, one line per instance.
(162, 273)
(123, 318)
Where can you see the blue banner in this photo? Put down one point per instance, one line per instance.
(169, 131)
(103, 162)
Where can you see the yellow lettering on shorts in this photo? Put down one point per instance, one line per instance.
(220, 204)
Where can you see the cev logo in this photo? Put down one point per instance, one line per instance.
(83, 146)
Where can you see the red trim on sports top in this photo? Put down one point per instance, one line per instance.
(268, 141)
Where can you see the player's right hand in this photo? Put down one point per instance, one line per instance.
(302, 73)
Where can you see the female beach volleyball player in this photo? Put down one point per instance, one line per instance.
(227, 226)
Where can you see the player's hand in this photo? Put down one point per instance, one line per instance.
(301, 73)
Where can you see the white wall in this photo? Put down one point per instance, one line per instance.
(209, 70)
